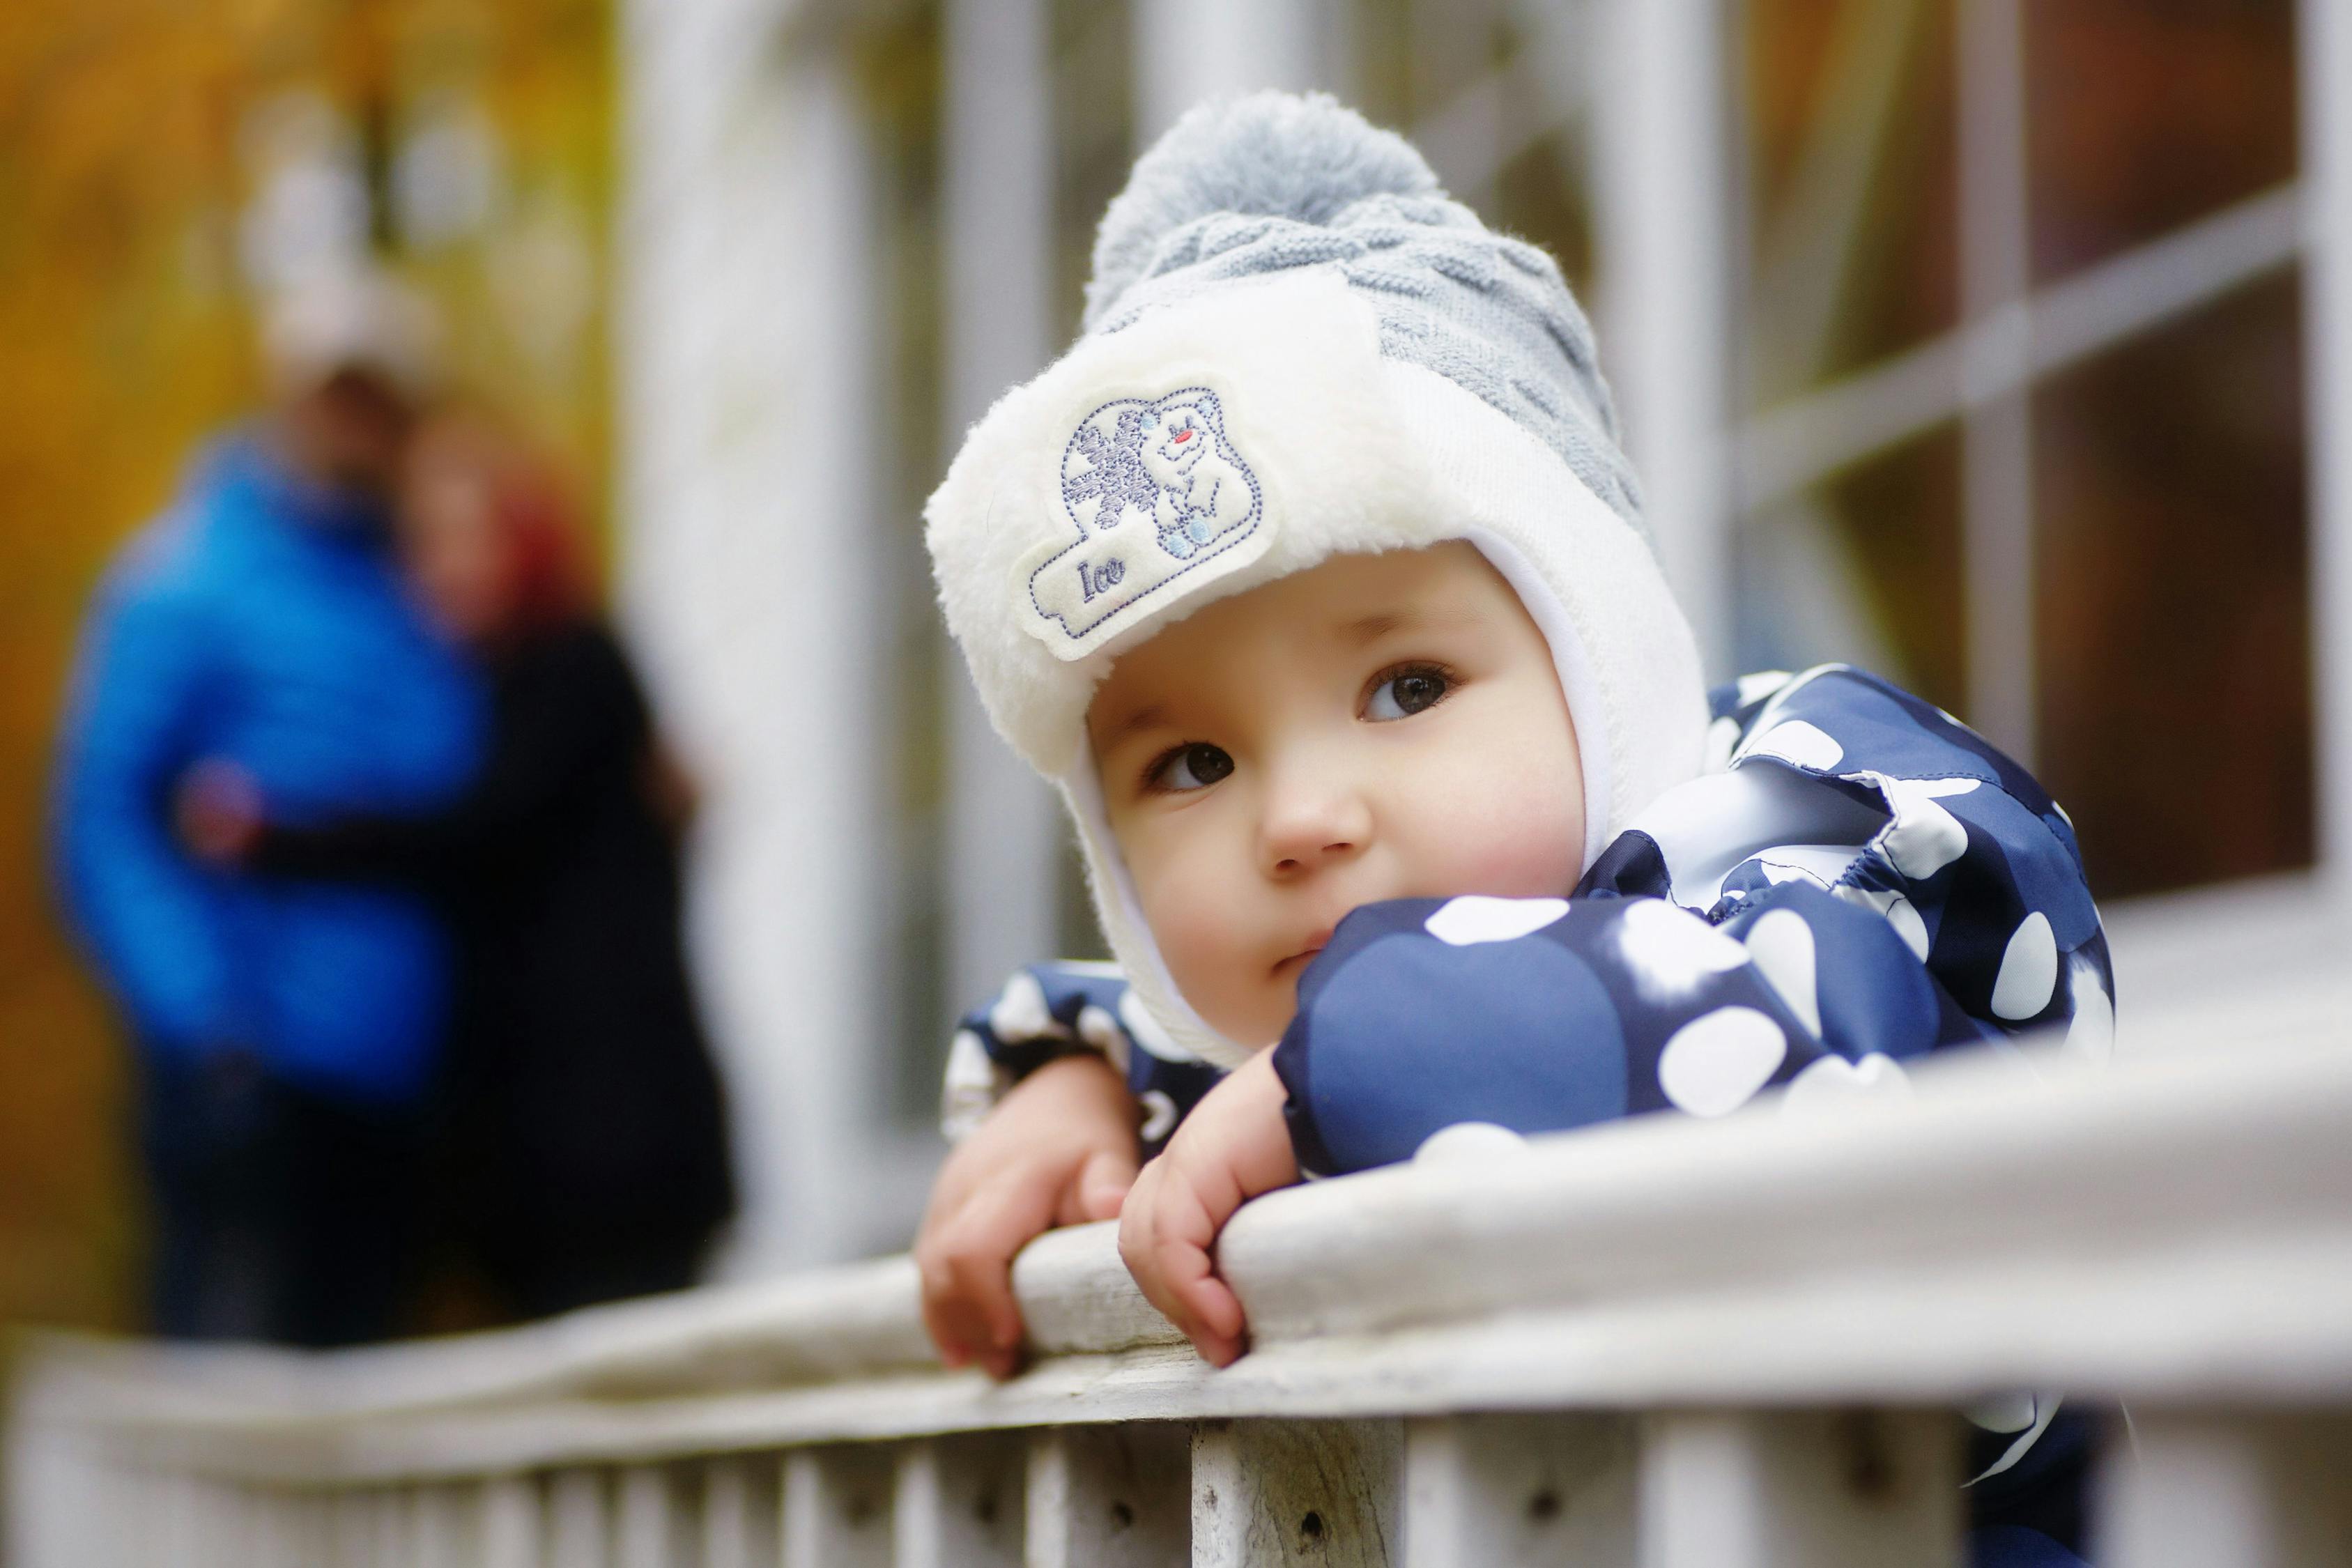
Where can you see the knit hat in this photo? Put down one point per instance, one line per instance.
(1297, 345)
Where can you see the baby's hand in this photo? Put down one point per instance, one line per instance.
(1232, 1147)
(1059, 1149)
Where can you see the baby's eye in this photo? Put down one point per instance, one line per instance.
(1194, 766)
(1406, 693)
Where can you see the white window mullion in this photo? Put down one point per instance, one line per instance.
(2323, 46)
(1187, 50)
(1997, 438)
(1002, 828)
(1659, 189)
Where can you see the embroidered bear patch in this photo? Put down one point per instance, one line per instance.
(1156, 489)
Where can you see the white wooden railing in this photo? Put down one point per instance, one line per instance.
(1666, 1343)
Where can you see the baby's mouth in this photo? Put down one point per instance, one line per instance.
(1297, 960)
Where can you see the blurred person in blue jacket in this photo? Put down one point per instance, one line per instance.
(285, 1030)
(580, 1139)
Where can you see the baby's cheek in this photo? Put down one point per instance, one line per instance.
(1503, 832)
(1196, 929)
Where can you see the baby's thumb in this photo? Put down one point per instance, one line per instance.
(1103, 1183)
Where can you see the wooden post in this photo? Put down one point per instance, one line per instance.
(2181, 1489)
(739, 1514)
(441, 1535)
(645, 1520)
(837, 1512)
(1108, 1497)
(1509, 1490)
(1800, 1489)
(1319, 1492)
(512, 1529)
(579, 1535)
(958, 1503)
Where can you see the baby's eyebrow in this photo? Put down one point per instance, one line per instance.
(1376, 626)
(1131, 723)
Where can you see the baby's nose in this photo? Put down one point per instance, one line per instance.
(1302, 834)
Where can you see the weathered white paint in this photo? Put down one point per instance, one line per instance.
(579, 1525)
(739, 1512)
(1805, 1489)
(648, 1527)
(1108, 1497)
(837, 1507)
(1268, 1493)
(513, 1524)
(441, 1528)
(1519, 1491)
(959, 1502)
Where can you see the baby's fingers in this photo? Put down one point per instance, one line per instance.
(1103, 1185)
(1213, 1317)
(968, 1272)
(1164, 1238)
(1217, 1320)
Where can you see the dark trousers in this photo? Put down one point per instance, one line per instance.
(278, 1214)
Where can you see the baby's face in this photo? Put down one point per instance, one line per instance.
(1379, 727)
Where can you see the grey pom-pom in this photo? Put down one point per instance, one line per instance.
(1278, 155)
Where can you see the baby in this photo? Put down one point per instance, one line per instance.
(1402, 799)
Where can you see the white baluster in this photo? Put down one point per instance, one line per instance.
(293, 1530)
(512, 1522)
(1800, 1489)
(213, 1514)
(959, 1503)
(395, 1527)
(179, 1515)
(739, 1514)
(1108, 1497)
(441, 1528)
(1321, 1492)
(2252, 1492)
(272, 1536)
(647, 1526)
(837, 1512)
(351, 1530)
(577, 1533)
(1513, 1491)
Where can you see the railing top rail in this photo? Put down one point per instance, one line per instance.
(2178, 1226)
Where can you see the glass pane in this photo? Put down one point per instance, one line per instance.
(2146, 117)
(1864, 568)
(1851, 187)
(2174, 634)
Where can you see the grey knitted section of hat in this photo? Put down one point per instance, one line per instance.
(1275, 180)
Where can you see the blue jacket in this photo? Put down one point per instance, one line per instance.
(262, 620)
(1857, 881)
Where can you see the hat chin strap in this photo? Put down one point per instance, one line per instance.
(1121, 912)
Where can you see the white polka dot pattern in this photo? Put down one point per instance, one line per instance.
(1715, 1064)
(1782, 944)
(2029, 969)
(1475, 918)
